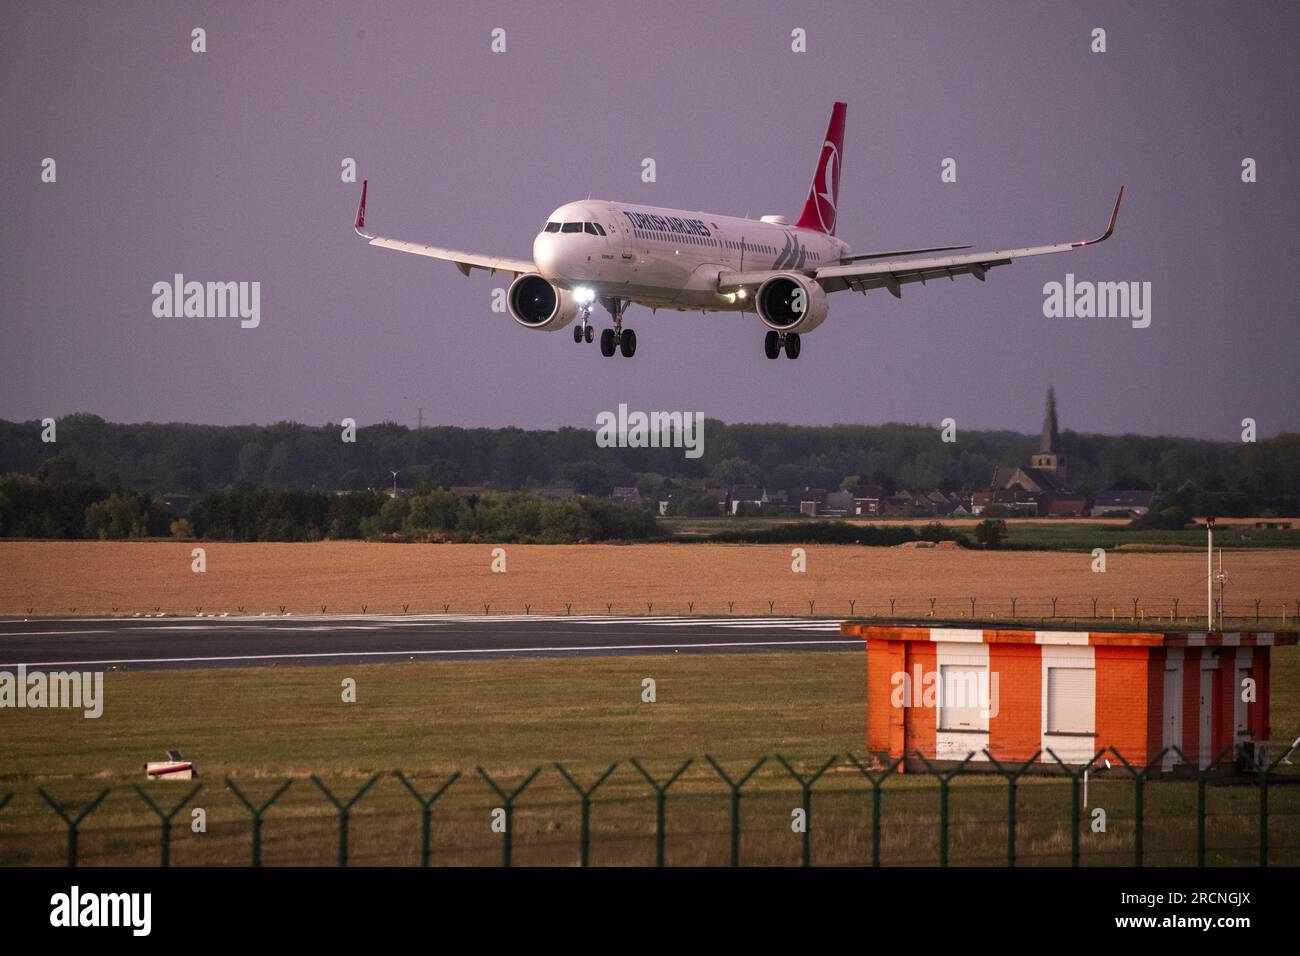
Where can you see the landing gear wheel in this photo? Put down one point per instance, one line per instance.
(589, 332)
(792, 345)
(772, 345)
(577, 333)
(607, 342)
(627, 343)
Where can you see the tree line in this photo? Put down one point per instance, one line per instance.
(66, 502)
(1260, 477)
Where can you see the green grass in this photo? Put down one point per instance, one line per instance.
(266, 725)
(1045, 535)
(1084, 537)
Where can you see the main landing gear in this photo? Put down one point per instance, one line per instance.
(773, 342)
(617, 338)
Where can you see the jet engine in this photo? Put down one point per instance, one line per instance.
(537, 304)
(791, 303)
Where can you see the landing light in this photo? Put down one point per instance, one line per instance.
(740, 294)
(584, 295)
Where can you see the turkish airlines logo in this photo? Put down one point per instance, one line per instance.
(825, 189)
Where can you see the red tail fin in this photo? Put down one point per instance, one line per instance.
(819, 210)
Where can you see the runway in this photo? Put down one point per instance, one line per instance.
(185, 642)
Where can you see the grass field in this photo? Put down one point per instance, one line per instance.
(267, 725)
(47, 578)
(1037, 534)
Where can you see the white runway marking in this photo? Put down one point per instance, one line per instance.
(424, 653)
(358, 622)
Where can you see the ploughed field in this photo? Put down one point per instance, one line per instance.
(43, 578)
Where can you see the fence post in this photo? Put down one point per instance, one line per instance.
(1139, 787)
(1013, 776)
(1263, 773)
(508, 802)
(166, 818)
(426, 809)
(73, 825)
(806, 786)
(344, 809)
(1074, 800)
(1201, 777)
(944, 779)
(875, 780)
(661, 796)
(256, 813)
(735, 802)
(584, 842)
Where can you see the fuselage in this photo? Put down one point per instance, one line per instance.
(618, 253)
(669, 258)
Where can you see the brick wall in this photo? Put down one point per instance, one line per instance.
(884, 721)
(1123, 702)
(1015, 734)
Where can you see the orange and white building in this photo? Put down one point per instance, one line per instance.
(949, 692)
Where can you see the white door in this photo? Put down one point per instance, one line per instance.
(1173, 713)
(1207, 716)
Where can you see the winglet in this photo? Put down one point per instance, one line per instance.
(1110, 228)
(360, 224)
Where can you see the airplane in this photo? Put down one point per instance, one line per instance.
(619, 253)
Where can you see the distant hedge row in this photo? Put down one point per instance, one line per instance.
(69, 504)
(439, 515)
(838, 532)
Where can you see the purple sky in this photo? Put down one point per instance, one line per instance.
(225, 166)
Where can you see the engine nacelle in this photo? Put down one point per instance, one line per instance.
(537, 304)
(791, 303)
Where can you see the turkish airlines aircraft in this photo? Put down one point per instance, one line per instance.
(617, 253)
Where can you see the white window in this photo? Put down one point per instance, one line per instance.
(963, 701)
(1070, 700)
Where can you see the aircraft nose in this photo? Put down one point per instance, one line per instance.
(546, 255)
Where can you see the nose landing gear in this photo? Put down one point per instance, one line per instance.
(583, 332)
(773, 342)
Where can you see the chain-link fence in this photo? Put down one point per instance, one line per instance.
(1141, 610)
(841, 810)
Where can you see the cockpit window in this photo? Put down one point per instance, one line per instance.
(599, 230)
(552, 227)
(571, 227)
(590, 228)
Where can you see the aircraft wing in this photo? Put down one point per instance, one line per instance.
(892, 274)
(464, 261)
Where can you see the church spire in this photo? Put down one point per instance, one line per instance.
(1051, 441)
